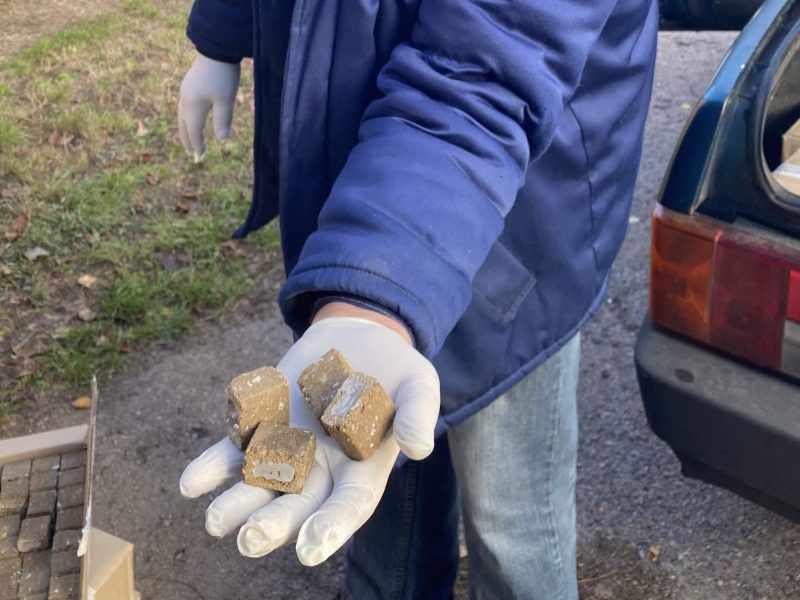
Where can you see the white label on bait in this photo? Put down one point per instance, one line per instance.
(346, 398)
(274, 471)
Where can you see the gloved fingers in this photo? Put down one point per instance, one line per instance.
(195, 117)
(348, 508)
(222, 117)
(417, 400)
(357, 489)
(212, 468)
(184, 135)
(234, 506)
(278, 522)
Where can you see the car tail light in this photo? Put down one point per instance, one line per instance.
(681, 264)
(730, 289)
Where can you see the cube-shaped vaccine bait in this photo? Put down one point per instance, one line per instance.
(320, 381)
(260, 396)
(359, 416)
(279, 458)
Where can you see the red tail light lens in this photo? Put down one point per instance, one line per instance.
(747, 311)
(793, 297)
(681, 262)
(730, 289)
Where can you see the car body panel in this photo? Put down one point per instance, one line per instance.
(703, 138)
(706, 14)
(730, 424)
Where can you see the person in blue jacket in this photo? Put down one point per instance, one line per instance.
(453, 180)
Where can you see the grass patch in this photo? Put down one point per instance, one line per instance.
(10, 136)
(71, 39)
(111, 237)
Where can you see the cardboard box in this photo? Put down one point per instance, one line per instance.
(791, 141)
(788, 174)
(107, 564)
(110, 569)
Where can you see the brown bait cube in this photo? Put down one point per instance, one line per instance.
(321, 379)
(359, 416)
(260, 396)
(279, 458)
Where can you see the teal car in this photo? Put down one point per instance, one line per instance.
(718, 357)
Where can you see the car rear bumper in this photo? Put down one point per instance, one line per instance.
(729, 424)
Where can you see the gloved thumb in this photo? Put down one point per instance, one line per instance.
(212, 468)
(417, 402)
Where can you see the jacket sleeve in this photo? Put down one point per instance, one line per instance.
(222, 29)
(467, 103)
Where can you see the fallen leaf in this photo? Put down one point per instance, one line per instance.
(87, 280)
(82, 402)
(61, 139)
(234, 246)
(186, 207)
(87, 314)
(17, 227)
(53, 318)
(152, 179)
(34, 253)
(146, 156)
(59, 333)
(168, 262)
(654, 552)
(5, 270)
(101, 341)
(191, 194)
(173, 262)
(28, 347)
(141, 130)
(124, 347)
(11, 191)
(27, 369)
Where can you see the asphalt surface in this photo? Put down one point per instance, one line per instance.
(644, 531)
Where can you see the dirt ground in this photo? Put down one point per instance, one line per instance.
(24, 22)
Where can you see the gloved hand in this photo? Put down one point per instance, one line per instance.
(207, 84)
(340, 494)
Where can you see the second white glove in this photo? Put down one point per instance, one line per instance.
(208, 85)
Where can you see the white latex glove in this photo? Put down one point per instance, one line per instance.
(340, 494)
(208, 84)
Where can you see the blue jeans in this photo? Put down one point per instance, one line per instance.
(513, 467)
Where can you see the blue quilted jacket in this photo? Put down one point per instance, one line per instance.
(465, 164)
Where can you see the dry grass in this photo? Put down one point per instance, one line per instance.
(92, 173)
(24, 22)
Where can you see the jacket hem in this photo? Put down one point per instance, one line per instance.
(450, 420)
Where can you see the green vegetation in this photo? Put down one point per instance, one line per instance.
(109, 236)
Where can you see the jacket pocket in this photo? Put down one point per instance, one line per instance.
(503, 282)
